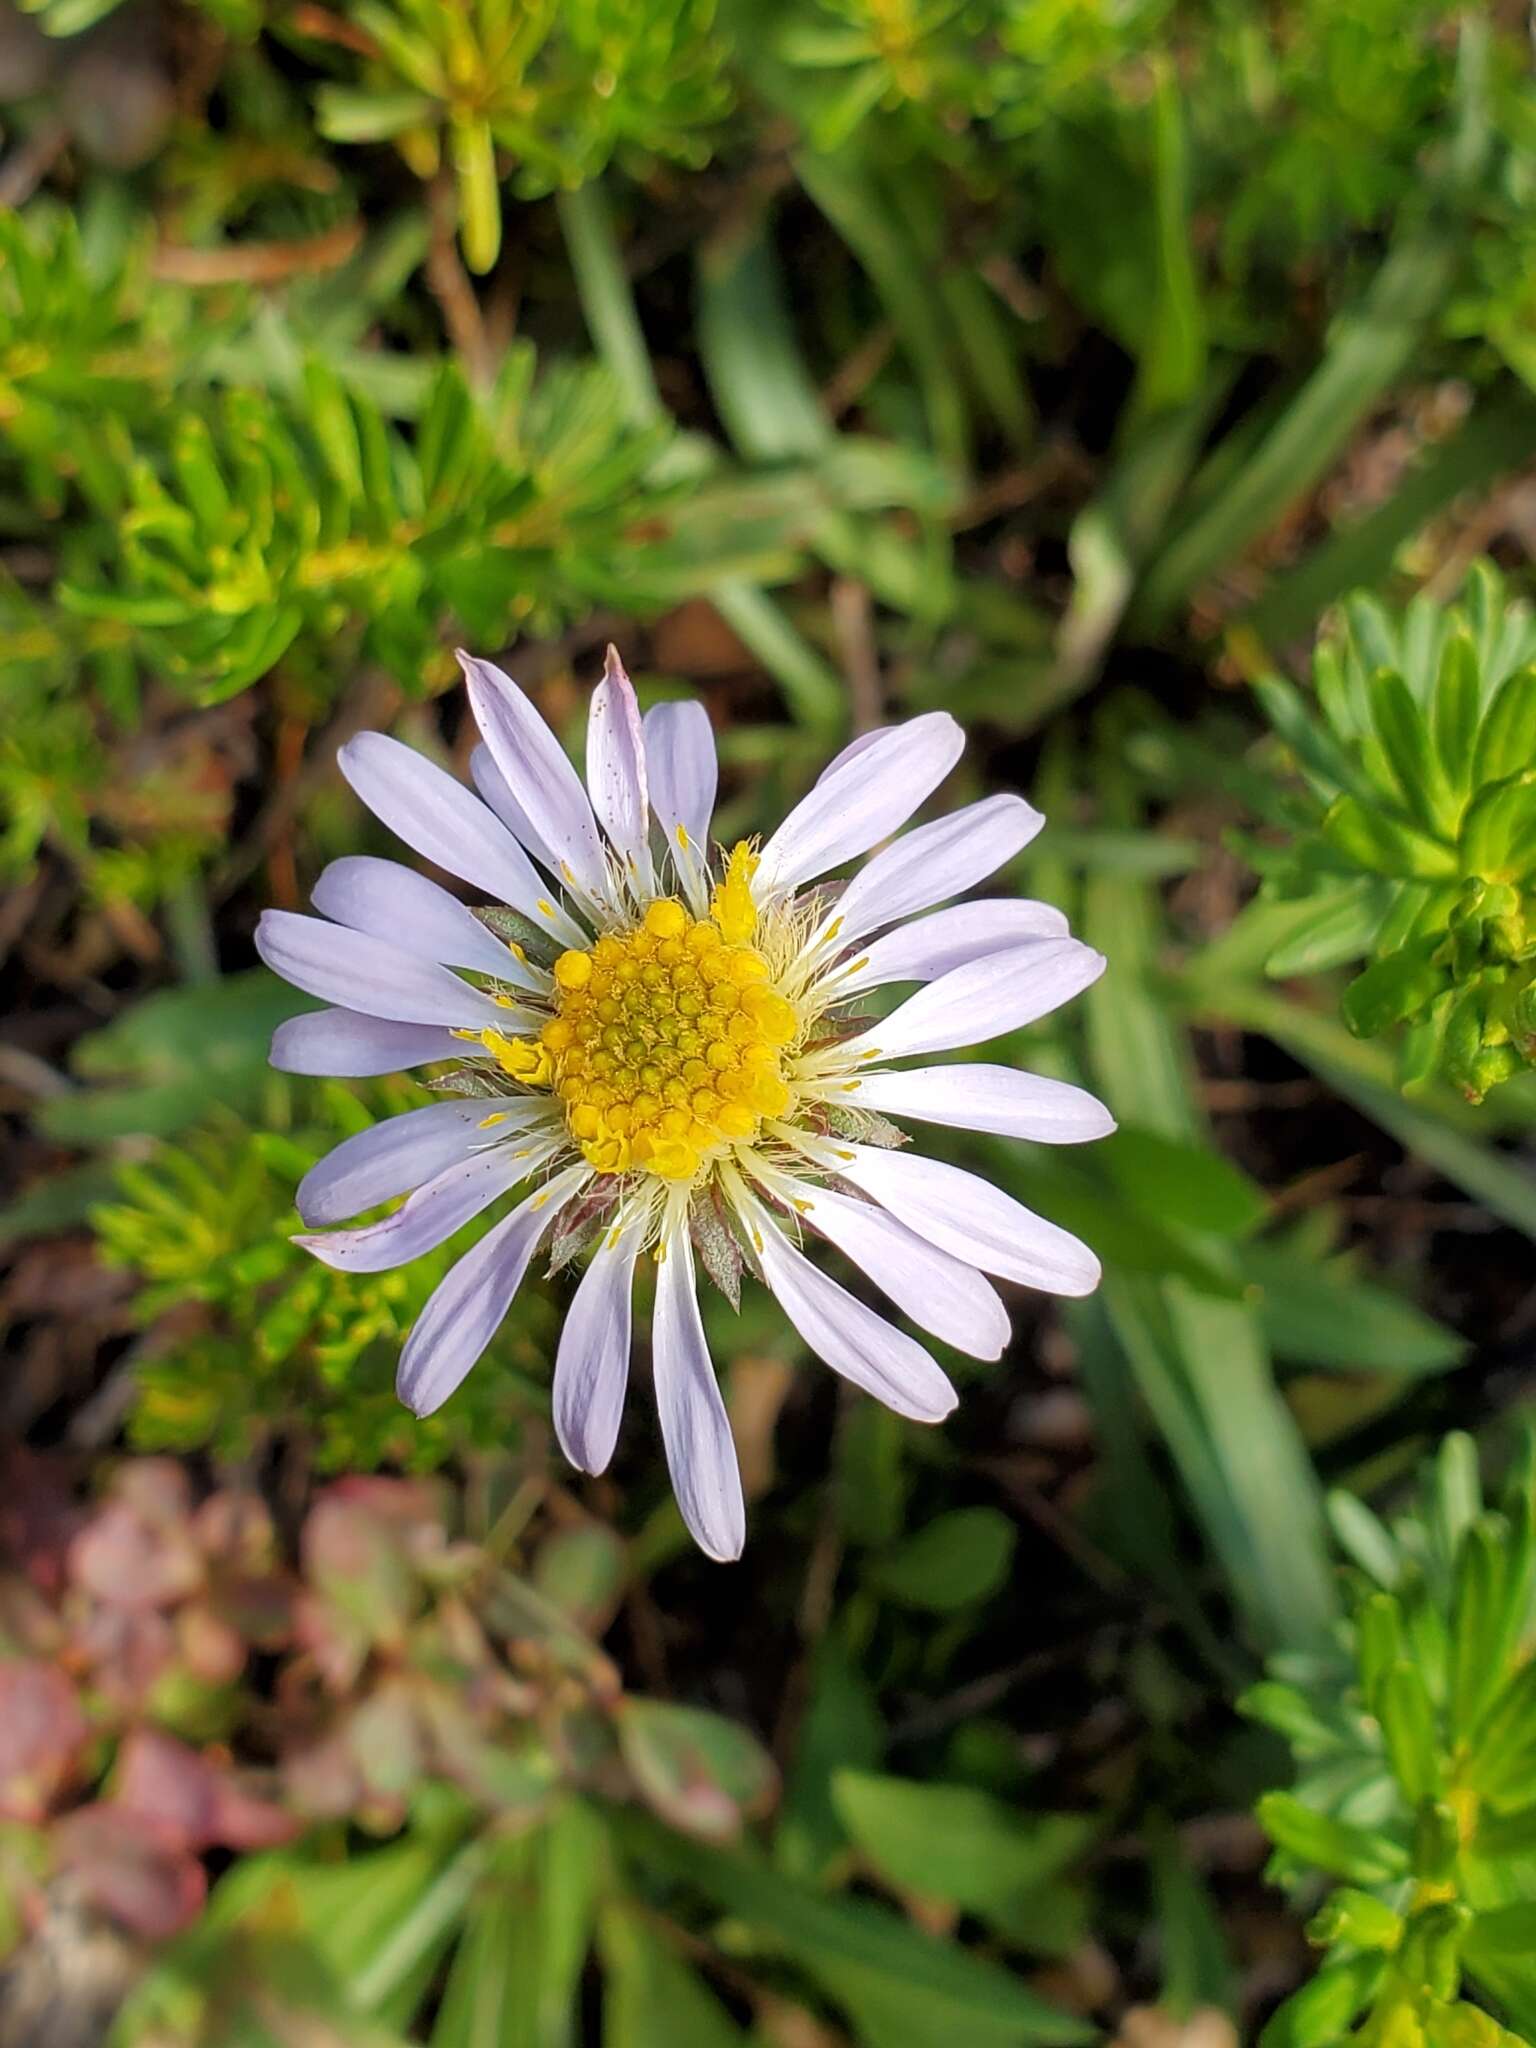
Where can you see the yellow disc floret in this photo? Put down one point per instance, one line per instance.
(668, 1041)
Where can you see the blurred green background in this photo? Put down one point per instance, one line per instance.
(1075, 365)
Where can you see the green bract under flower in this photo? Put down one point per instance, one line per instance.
(1417, 841)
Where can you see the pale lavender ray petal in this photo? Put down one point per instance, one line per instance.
(943, 1294)
(616, 772)
(423, 805)
(367, 974)
(999, 993)
(682, 769)
(964, 1214)
(934, 862)
(931, 946)
(492, 785)
(395, 1156)
(872, 794)
(847, 1335)
(467, 1307)
(407, 910)
(349, 1045)
(536, 770)
(434, 1212)
(701, 1454)
(983, 1098)
(592, 1364)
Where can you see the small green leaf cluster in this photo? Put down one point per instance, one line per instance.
(560, 86)
(250, 1339)
(1416, 1787)
(1416, 835)
(273, 529)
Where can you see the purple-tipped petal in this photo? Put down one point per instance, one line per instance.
(592, 1365)
(466, 1309)
(351, 1046)
(701, 1454)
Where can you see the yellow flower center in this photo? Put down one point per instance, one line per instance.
(668, 1041)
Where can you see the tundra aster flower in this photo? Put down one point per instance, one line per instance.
(661, 1044)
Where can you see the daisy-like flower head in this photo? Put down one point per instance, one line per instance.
(661, 1044)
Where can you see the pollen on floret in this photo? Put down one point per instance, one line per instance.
(668, 1041)
(732, 906)
(525, 1059)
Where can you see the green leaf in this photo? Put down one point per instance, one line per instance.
(953, 1843)
(1330, 1844)
(1319, 2014)
(1458, 708)
(1498, 833)
(854, 1947)
(1506, 741)
(1483, 1622)
(1402, 985)
(1402, 1705)
(955, 1561)
(1172, 363)
(1405, 740)
(1340, 925)
(1323, 1314)
(650, 1998)
(1368, 348)
(757, 376)
(1183, 1183)
(1381, 845)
